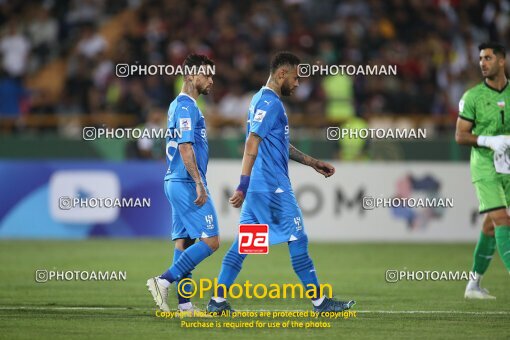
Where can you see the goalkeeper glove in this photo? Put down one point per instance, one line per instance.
(497, 143)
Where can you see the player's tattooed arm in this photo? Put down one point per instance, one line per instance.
(190, 162)
(321, 167)
(300, 156)
(251, 150)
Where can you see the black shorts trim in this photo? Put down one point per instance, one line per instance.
(492, 209)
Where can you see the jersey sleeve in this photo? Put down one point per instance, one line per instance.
(467, 108)
(264, 118)
(186, 120)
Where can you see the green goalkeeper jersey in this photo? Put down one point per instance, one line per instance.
(485, 107)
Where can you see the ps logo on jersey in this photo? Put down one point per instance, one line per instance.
(253, 239)
(259, 116)
(185, 124)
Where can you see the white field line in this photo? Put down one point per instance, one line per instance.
(84, 308)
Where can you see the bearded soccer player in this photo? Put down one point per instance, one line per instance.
(265, 192)
(484, 124)
(193, 213)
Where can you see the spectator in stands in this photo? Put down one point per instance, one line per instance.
(84, 11)
(91, 43)
(149, 148)
(43, 33)
(15, 49)
(433, 44)
(79, 84)
(233, 107)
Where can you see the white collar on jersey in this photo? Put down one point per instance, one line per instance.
(270, 89)
(187, 95)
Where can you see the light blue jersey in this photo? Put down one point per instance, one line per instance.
(185, 116)
(267, 118)
(270, 199)
(188, 220)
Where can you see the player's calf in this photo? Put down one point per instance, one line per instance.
(230, 268)
(187, 261)
(181, 244)
(501, 222)
(482, 257)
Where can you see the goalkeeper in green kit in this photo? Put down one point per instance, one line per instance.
(484, 124)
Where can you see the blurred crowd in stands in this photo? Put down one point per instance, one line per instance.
(433, 43)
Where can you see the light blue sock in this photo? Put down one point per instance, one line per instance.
(186, 288)
(230, 268)
(303, 265)
(187, 261)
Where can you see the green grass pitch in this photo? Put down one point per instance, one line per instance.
(407, 310)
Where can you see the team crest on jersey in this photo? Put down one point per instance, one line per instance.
(501, 104)
(209, 219)
(259, 115)
(297, 222)
(185, 124)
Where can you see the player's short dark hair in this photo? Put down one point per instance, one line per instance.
(197, 60)
(284, 58)
(496, 48)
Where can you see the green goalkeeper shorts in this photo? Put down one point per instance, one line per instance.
(493, 194)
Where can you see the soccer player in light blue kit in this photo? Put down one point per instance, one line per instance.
(193, 214)
(265, 192)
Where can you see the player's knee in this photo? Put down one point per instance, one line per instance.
(502, 223)
(488, 228)
(188, 242)
(501, 220)
(179, 244)
(212, 242)
(215, 245)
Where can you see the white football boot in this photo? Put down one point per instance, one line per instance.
(159, 293)
(474, 291)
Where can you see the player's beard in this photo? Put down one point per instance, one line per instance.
(286, 89)
(491, 72)
(203, 90)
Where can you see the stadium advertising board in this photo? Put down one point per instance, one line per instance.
(361, 202)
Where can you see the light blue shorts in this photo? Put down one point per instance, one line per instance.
(189, 220)
(278, 210)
